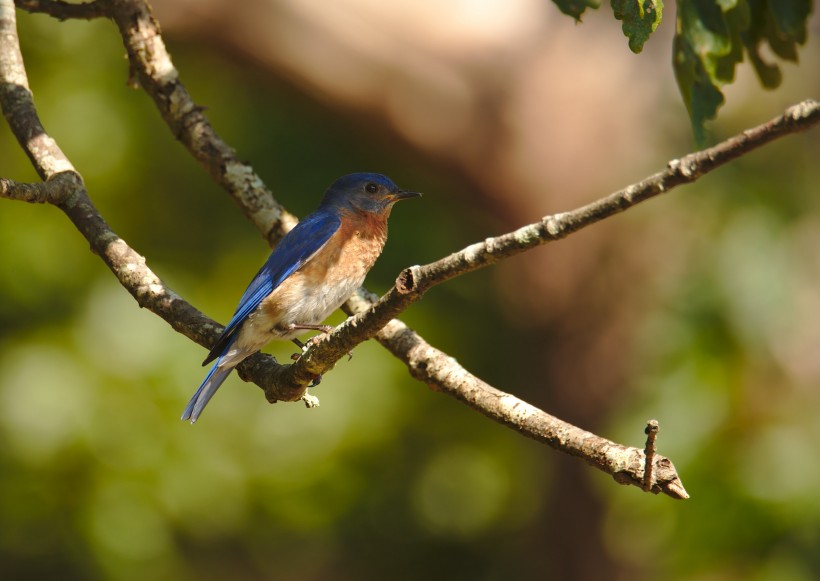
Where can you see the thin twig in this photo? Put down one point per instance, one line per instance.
(37, 193)
(553, 227)
(649, 451)
(63, 10)
(18, 104)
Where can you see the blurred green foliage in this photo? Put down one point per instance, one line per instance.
(729, 368)
(99, 480)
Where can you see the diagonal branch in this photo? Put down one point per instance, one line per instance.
(413, 282)
(678, 172)
(64, 188)
(151, 63)
(18, 103)
(442, 373)
(152, 67)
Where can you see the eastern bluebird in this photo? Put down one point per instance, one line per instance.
(309, 274)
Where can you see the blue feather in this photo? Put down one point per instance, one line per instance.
(366, 195)
(203, 395)
(296, 248)
(298, 245)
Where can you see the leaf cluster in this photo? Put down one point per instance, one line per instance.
(711, 38)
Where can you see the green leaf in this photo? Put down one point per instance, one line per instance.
(640, 19)
(781, 24)
(576, 8)
(789, 18)
(700, 95)
(711, 37)
(703, 59)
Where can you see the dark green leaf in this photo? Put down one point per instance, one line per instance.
(576, 8)
(700, 94)
(781, 24)
(710, 40)
(789, 18)
(640, 19)
(704, 58)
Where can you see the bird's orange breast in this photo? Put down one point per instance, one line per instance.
(330, 276)
(352, 251)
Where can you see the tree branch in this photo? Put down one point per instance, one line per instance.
(151, 65)
(652, 429)
(50, 192)
(152, 69)
(18, 104)
(413, 282)
(64, 188)
(442, 373)
(63, 10)
(417, 280)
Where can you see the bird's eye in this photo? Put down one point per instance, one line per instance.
(371, 188)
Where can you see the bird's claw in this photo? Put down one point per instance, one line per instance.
(315, 339)
(324, 329)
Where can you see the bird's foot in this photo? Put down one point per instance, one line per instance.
(301, 346)
(325, 329)
(305, 327)
(315, 339)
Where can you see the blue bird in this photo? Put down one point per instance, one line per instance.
(311, 272)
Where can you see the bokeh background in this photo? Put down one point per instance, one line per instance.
(701, 309)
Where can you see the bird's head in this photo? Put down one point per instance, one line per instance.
(366, 192)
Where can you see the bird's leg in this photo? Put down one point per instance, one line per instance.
(324, 329)
(297, 326)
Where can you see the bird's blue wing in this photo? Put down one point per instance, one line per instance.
(290, 254)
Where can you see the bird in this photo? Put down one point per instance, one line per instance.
(313, 270)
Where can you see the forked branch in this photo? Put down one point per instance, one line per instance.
(151, 68)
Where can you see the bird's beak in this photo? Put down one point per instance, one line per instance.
(403, 195)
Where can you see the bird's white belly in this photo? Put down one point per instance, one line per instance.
(294, 302)
(312, 305)
(309, 295)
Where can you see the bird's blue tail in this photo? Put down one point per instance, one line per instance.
(218, 373)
